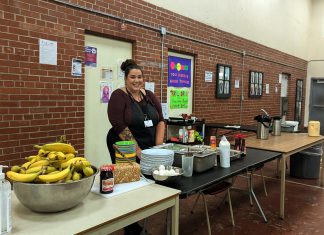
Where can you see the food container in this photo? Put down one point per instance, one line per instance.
(202, 161)
(314, 128)
(53, 197)
(167, 178)
(204, 157)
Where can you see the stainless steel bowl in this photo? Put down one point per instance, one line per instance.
(165, 178)
(53, 197)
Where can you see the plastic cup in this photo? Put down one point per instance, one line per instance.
(187, 164)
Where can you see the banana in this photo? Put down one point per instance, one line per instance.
(54, 172)
(40, 163)
(69, 176)
(34, 169)
(76, 176)
(15, 168)
(50, 169)
(57, 147)
(69, 156)
(80, 164)
(51, 156)
(22, 177)
(30, 158)
(71, 161)
(88, 171)
(55, 177)
(42, 153)
(60, 156)
(26, 165)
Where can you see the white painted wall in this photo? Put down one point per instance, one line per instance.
(295, 27)
(279, 24)
(315, 49)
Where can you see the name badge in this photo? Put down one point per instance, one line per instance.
(148, 123)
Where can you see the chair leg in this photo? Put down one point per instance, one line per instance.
(207, 216)
(195, 203)
(144, 227)
(264, 184)
(249, 187)
(230, 206)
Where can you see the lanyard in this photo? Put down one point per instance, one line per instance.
(142, 108)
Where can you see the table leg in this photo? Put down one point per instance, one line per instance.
(322, 168)
(282, 185)
(175, 217)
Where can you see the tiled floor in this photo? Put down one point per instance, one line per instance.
(304, 211)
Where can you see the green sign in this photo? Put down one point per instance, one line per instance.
(179, 98)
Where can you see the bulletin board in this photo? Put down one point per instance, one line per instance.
(180, 84)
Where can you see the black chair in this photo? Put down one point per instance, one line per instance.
(213, 190)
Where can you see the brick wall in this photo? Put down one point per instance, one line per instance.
(39, 102)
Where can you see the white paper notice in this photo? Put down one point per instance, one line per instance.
(237, 84)
(267, 88)
(280, 77)
(76, 69)
(149, 86)
(165, 110)
(208, 76)
(47, 52)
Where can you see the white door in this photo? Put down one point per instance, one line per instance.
(110, 54)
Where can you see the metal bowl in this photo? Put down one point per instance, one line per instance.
(53, 197)
(165, 178)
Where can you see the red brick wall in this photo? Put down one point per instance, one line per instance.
(39, 102)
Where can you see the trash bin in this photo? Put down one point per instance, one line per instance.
(306, 164)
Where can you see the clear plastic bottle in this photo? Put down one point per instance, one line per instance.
(5, 204)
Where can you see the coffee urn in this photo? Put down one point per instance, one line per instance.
(276, 126)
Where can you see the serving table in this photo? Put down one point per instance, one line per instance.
(287, 144)
(99, 215)
(200, 181)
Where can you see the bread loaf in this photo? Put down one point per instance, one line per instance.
(126, 172)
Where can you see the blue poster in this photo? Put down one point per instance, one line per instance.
(179, 72)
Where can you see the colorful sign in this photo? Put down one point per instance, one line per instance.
(179, 98)
(90, 57)
(179, 72)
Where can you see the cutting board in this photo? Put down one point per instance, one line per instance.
(120, 188)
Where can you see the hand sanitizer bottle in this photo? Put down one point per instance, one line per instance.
(5, 204)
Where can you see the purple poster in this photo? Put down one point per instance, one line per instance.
(179, 72)
(90, 57)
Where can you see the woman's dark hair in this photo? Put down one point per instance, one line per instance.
(128, 65)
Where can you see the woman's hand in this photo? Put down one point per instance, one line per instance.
(138, 152)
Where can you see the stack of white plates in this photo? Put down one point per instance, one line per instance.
(155, 157)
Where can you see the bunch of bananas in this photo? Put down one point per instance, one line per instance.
(54, 163)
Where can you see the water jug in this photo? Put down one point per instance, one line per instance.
(276, 126)
(263, 125)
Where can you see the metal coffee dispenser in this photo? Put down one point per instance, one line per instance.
(263, 126)
(276, 126)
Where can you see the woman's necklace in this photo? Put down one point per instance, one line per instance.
(137, 98)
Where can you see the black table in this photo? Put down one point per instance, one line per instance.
(231, 127)
(200, 181)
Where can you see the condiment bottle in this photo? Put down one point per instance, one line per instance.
(106, 179)
(213, 142)
(5, 204)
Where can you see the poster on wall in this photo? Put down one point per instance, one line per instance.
(90, 57)
(179, 72)
(179, 98)
(76, 68)
(47, 52)
(106, 89)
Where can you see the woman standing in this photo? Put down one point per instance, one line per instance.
(134, 113)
